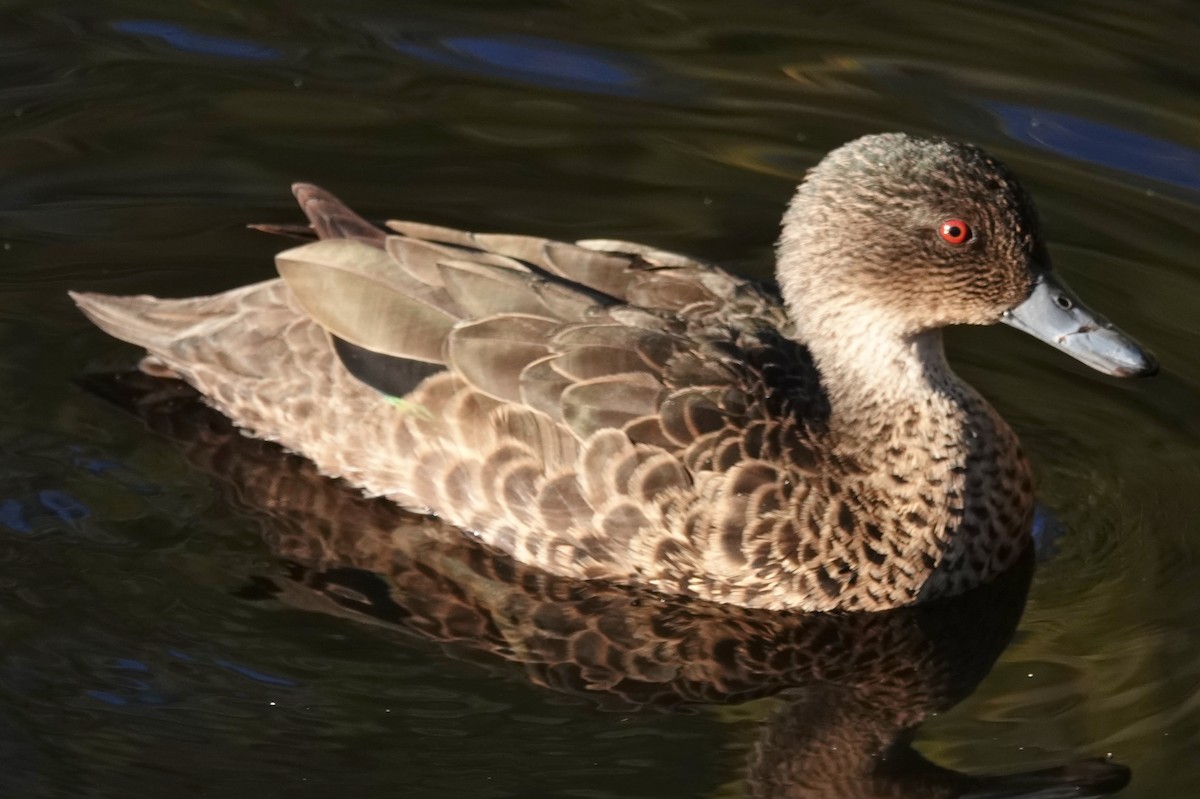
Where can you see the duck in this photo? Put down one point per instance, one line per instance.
(609, 411)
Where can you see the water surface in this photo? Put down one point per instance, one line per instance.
(142, 651)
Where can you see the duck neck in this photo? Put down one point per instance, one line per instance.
(925, 457)
(875, 380)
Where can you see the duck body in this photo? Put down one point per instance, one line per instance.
(604, 410)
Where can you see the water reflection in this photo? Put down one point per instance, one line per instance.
(852, 688)
(188, 40)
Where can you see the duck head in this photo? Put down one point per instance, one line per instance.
(891, 237)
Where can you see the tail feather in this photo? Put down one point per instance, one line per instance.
(156, 323)
(138, 320)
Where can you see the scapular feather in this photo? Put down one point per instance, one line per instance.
(343, 285)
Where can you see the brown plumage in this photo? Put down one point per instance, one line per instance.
(608, 410)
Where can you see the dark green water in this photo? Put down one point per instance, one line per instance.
(137, 138)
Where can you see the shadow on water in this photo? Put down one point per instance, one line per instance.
(851, 689)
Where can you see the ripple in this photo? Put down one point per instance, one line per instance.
(138, 139)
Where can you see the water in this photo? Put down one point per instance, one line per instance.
(161, 635)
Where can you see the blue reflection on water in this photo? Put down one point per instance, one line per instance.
(16, 513)
(533, 60)
(1098, 143)
(12, 516)
(1047, 531)
(110, 469)
(254, 674)
(151, 687)
(190, 41)
(63, 505)
(28, 508)
(108, 697)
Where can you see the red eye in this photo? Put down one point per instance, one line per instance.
(955, 231)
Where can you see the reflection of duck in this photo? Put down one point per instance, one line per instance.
(606, 410)
(856, 751)
(857, 684)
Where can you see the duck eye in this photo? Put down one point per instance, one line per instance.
(955, 231)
